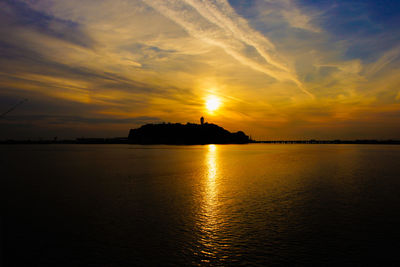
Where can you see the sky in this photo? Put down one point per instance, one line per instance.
(276, 69)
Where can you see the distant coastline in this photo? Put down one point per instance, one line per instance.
(337, 141)
(188, 134)
(124, 140)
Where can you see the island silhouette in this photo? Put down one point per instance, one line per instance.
(185, 134)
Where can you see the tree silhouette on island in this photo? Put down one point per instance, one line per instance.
(185, 134)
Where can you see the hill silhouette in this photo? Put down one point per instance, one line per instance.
(185, 134)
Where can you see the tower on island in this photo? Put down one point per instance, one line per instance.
(202, 120)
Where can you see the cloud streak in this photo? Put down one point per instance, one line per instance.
(62, 119)
(216, 22)
(294, 15)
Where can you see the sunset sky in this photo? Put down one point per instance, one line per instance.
(276, 69)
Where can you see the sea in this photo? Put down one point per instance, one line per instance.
(206, 205)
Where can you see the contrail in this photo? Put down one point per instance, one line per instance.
(216, 22)
(12, 108)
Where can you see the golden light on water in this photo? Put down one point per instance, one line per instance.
(211, 175)
(211, 164)
(209, 217)
(212, 103)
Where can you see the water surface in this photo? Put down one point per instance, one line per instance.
(258, 204)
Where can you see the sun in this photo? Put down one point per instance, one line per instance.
(213, 103)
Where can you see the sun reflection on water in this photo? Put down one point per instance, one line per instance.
(212, 166)
(210, 219)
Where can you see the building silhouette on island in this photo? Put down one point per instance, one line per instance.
(185, 134)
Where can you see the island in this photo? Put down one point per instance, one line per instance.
(185, 134)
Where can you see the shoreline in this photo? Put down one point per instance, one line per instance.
(106, 141)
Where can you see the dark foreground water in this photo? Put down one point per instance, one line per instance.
(259, 204)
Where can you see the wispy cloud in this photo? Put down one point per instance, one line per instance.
(294, 16)
(216, 23)
(62, 119)
(387, 58)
